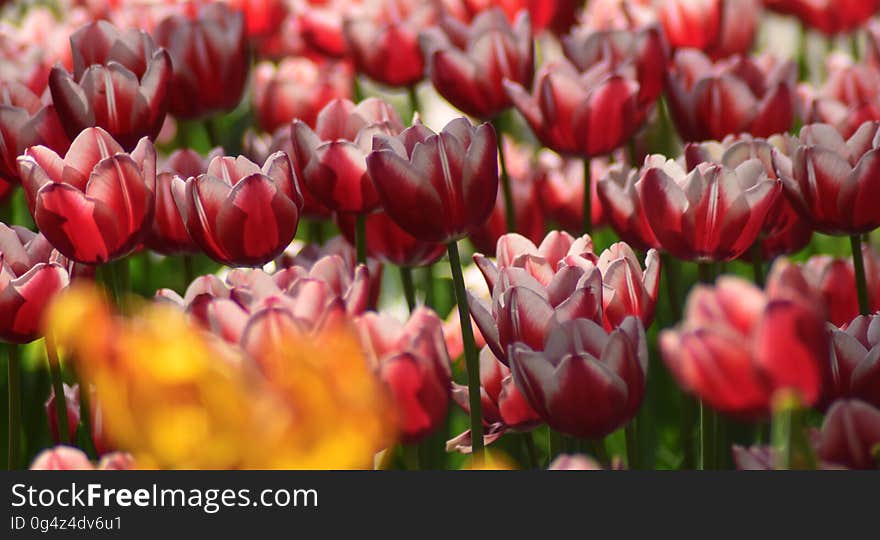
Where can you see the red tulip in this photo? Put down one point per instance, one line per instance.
(561, 186)
(622, 205)
(586, 382)
(735, 95)
(120, 83)
(530, 293)
(437, 187)
(832, 280)
(853, 368)
(738, 346)
(644, 49)
(259, 147)
(468, 63)
(262, 17)
(28, 281)
(387, 242)
(210, 59)
(626, 289)
(320, 24)
(847, 99)
(850, 435)
(832, 182)
(784, 230)
(554, 15)
(532, 199)
(412, 360)
(71, 400)
(238, 213)
(168, 232)
(718, 27)
(297, 87)
(504, 407)
(95, 204)
(24, 122)
(384, 42)
(584, 114)
(331, 160)
(827, 16)
(712, 213)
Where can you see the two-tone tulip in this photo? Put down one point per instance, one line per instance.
(95, 204)
(387, 242)
(832, 279)
(28, 282)
(239, 213)
(560, 183)
(711, 213)
(738, 346)
(739, 94)
(718, 27)
(330, 161)
(553, 15)
(850, 435)
(210, 59)
(411, 359)
(827, 16)
(853, 368)
(468, 63)
(504, 407)
(120, 83)
(846, 99)
(833, 182)
(622, 205)
(585, 382)
(438, 187)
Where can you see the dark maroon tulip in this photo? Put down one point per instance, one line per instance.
(210, 58)
(717, 27)
(853, 369)
(622, 205)
(259, 147)
(168, 232)
(849, 96)
(504, 407)
(586, 382)
(739, 346)
(387, 242)
(828, 16)
(584, 114)
(784, 231)
(28, 281)
(644, 49)
(96, 204)
(834, 183)
(330, 161)
(384, 41)
(850, 435)
(412, 361)
(731, 96)
(298, 87)
(24, 122)
(711, 213)
(529, 292)
(238, 213)
(437, 187)
(121, 83)
(468, 63)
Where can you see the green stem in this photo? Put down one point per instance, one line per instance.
(14, 393)
(409, 290)
(706, 272)
(671, 271)
(854, 44)
(597, 449)
(588, 198)
(708, 438)
(413, 94)
(58, 387)
(506, 189)
(632, 444)
(360, 238)
(791, 448)
(531, 450)
(189, 270)
(85, 417)
(859, 267)
(803, 63)
(686, 428)
(757, 264)
(411, 457)
(315, 232)
(430, 298)
(470, 350)
(555, 443)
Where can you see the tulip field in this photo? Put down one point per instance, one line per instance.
(440, 234)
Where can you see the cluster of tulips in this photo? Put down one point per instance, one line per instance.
(200, 200)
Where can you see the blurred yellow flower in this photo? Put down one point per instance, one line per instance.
(178, 397)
